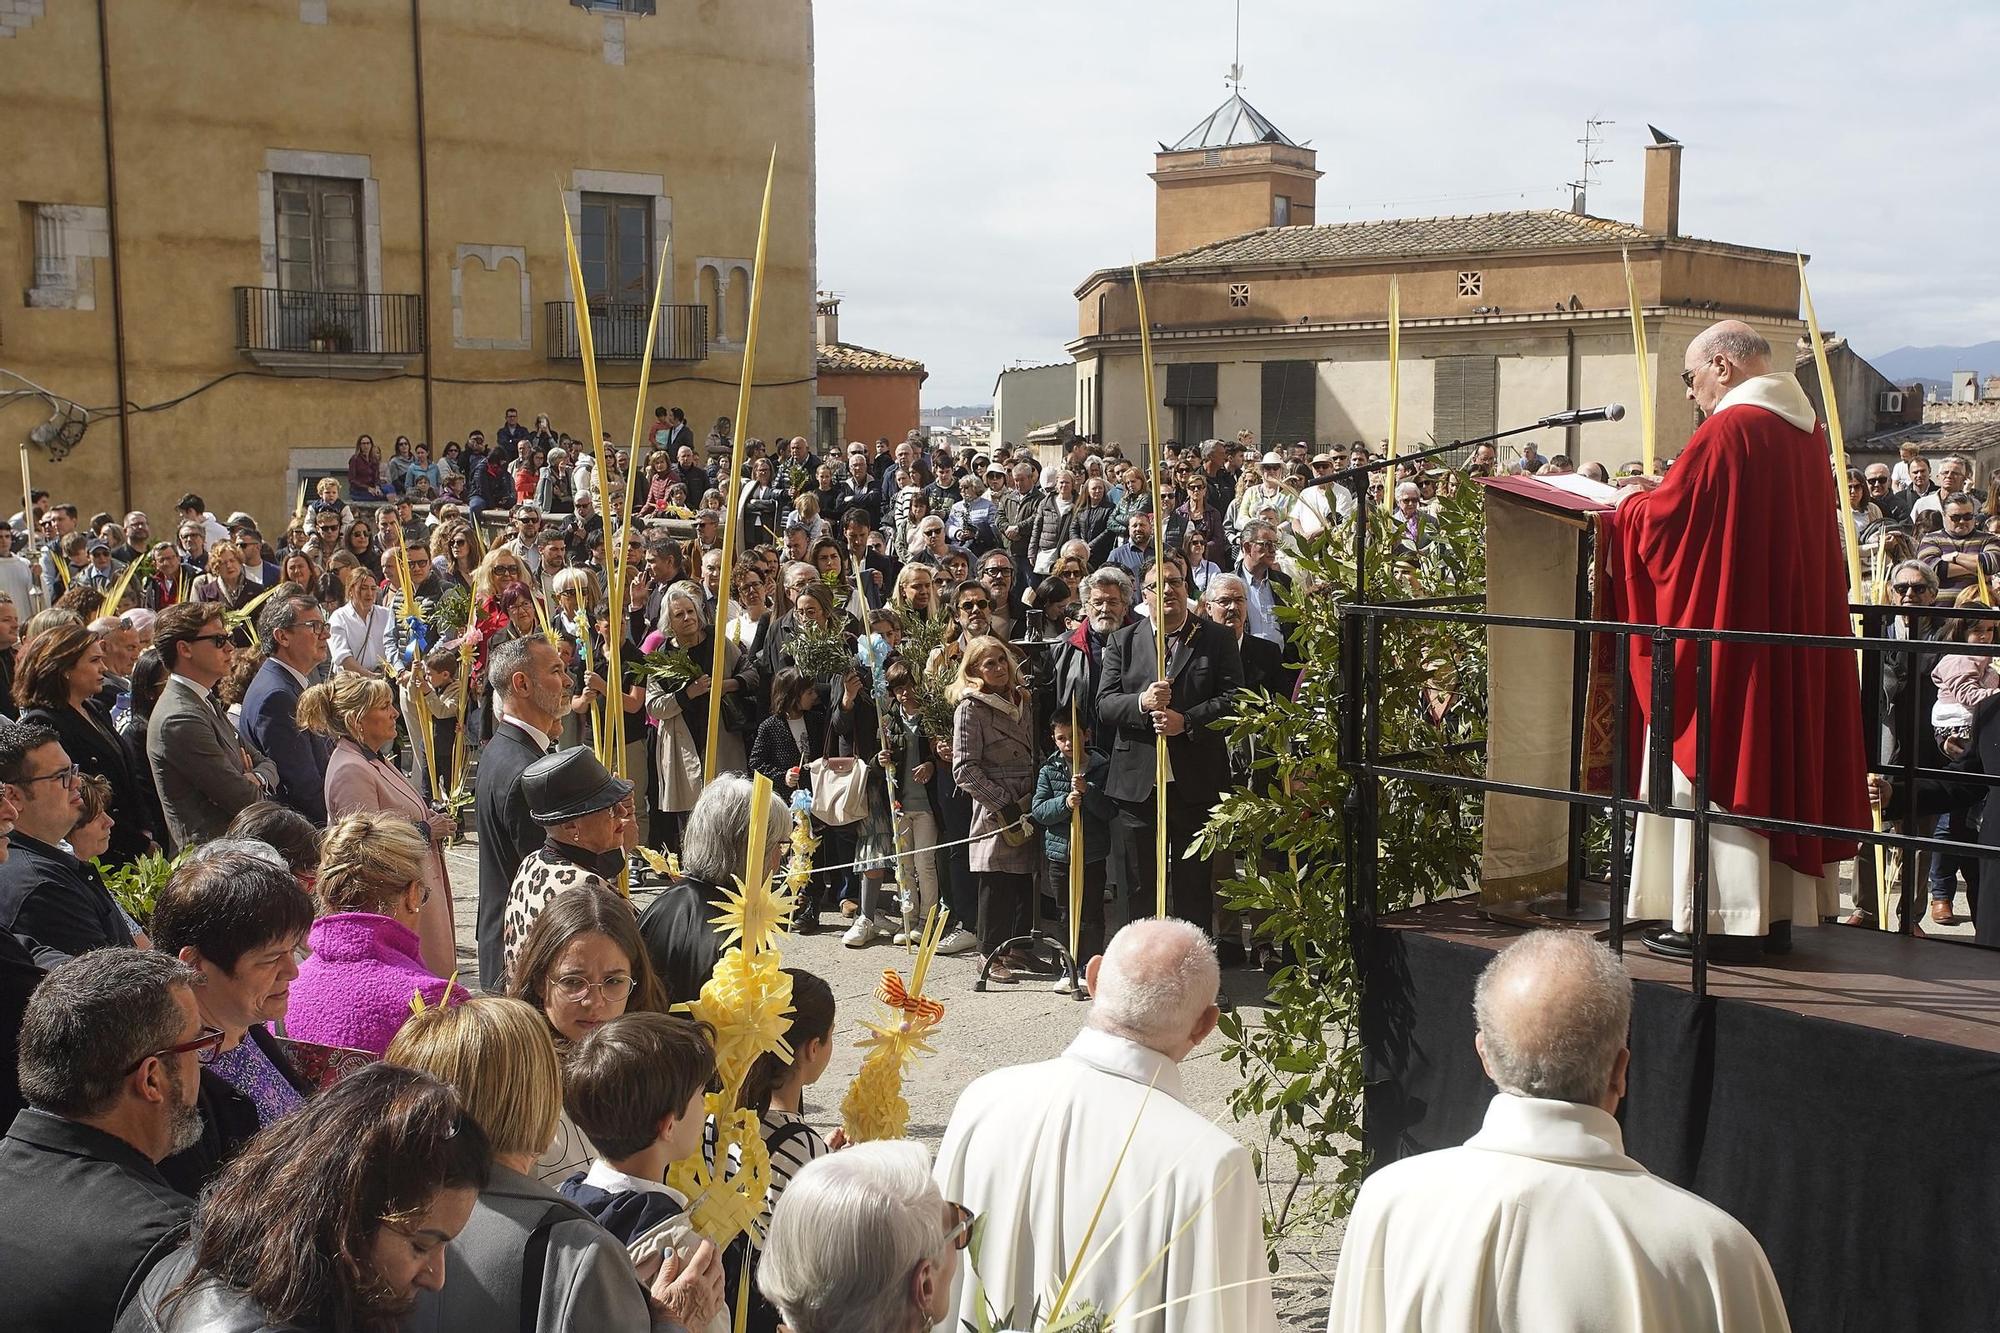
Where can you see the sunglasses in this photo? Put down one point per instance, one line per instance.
(204, 1045)
(975, 606)
(1911, 589)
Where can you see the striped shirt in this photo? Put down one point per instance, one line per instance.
(1939, 545)
(797, 1143)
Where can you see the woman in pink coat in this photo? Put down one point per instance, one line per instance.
(356, 989)
(359, 712)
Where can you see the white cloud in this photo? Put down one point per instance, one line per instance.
(977, 161)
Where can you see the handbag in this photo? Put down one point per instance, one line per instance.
(839, 791)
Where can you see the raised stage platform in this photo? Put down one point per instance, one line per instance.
(1843, 1102)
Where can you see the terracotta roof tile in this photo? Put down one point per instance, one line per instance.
(856, 360)
(1392, 237)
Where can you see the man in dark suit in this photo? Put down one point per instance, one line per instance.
(1227, 603)
(45, 893)
(203, 771)
(528, 685)
(295, 627)
(1133, 700)
(110, 1046)
(857, 489)
(1079, 659)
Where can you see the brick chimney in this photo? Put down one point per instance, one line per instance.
(1662, 215)
(826, 311)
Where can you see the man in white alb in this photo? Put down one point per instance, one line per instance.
(1540, 1223)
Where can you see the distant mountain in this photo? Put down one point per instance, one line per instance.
(1937, 363)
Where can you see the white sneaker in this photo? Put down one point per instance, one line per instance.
(860, 933)
(903, 936)
(958, 940)
(1064, 986)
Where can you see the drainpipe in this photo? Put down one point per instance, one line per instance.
(423, 218)
(117, 272)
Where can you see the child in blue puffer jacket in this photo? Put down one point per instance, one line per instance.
(1057, 792)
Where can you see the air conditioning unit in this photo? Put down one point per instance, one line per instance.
(1889, 401)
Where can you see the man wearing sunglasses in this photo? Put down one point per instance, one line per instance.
(46, 894)
(1742, 534)
(111, 1046)
(204, 771)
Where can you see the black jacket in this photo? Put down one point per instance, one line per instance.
(1263, 665)
(506, 836)
(93, 743)
(50, 897)
(228, 1121)
(84, 1217)
(1206, 672)
(679, 930)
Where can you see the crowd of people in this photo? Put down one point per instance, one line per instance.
(255, 1092)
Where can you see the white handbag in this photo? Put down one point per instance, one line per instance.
(839, 791)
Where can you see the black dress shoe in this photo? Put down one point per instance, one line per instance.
(1739, 949)
(1229, 953)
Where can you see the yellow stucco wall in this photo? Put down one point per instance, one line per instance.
(520, 96)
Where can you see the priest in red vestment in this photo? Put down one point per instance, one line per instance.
(1741, 534)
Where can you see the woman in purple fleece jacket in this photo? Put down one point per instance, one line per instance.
(355, 990)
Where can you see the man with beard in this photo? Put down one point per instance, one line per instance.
(1107, 608)
(529, 686)
(1145, 704)
(110, 1046)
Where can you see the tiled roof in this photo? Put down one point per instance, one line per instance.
(1233, 123)
(1398, 237)
(1935, 438)
(851, 359)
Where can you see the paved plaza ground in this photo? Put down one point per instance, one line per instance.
(1006, 1025)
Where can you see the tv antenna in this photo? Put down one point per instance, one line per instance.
(1592, 140)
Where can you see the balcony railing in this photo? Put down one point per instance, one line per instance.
(618, 332)
(332, 324)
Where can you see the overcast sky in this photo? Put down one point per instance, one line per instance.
(976, 161)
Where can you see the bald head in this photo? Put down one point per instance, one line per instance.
(1156, 984)
(1722, 356)
(1553, 1009)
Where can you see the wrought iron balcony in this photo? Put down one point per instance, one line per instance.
(618, 332)
(314, 330)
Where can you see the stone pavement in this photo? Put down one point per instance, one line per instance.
(1006, 1025)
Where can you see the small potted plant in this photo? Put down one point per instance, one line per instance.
(330, 335)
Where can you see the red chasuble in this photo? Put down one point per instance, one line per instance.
(1741, 535)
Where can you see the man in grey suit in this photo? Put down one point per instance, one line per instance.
(204, 771)
(528, 684)
(295, 627)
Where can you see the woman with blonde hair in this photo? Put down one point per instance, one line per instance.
(993, 762)
(366, 970)
(497, 1055)
(359, 713)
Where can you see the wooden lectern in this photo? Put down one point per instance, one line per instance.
(1538, 563)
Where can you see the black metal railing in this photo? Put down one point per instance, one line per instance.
(1361, 752)
(273, 319)
(618, 332)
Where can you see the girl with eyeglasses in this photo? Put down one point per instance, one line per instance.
(581, 965)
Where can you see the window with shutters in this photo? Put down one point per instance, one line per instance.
(1191, 398)
(319, 233)
(1464, 402)
(616, 244)
(1288, 402)
(1281, 210)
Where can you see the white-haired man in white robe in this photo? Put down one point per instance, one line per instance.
(1032, 1149)
(1540, 1223)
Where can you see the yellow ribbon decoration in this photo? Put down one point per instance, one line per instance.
(1075, 834)
(1159, 621)
(731, 517)
(1649, 451)
(1849, 540)
(1395, 363)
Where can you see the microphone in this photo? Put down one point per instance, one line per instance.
(1577, 416)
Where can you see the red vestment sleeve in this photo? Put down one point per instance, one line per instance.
(1740, 535)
